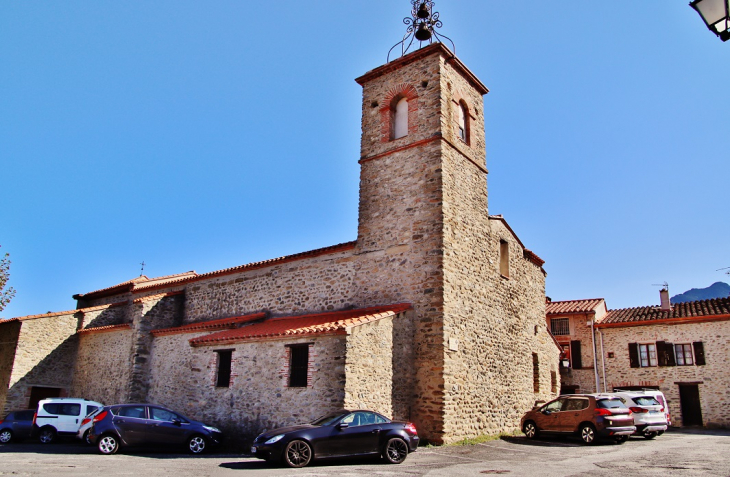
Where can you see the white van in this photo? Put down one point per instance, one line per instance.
(61, 416)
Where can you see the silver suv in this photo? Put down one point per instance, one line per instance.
(650, 417)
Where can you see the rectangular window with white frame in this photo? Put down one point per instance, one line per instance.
(647, 355)
(683, 354)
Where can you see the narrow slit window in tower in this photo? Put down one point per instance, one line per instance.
(400, 119)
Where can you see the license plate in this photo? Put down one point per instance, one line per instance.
(253, 450)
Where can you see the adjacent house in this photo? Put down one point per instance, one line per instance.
(681, 349)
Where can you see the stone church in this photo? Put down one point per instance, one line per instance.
(434, 314)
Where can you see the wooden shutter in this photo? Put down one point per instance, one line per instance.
(575, 355)
(634, 355)
(699, 353)
(298, 366)
(665, 353)
(224, 368)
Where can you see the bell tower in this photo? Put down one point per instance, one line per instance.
(423, 174)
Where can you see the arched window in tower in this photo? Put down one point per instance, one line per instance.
(463, 122)
(400, 118)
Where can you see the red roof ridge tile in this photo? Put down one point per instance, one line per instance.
(316, 323)
(129, 285)
(104, 329)
(252, 266)
(68, 312)
(218, 324)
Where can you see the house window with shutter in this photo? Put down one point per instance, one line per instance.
(647, 355)
(223, 377)
(683, 354)
(298, 365)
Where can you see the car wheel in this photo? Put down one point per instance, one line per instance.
(6, 435)
(530, 430)
(588, 434)
(650, 435)
(47, 435)
(196, 444)
(108, 444)
(396, 450)
(297, 454)
(621, 439)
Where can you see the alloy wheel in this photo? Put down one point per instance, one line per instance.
(396, 451)
(6, 436)
(46, 436)
(108, 445)
(530, 430)
(196, 444)
(588, 434)
(297, 454)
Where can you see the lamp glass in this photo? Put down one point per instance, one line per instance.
(714, 13)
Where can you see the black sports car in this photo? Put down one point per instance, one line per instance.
(339, 434)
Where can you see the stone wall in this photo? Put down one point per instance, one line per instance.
(44, 356)
(184, 378)
(9, 332)
(105, 316)
(713, 376)
(102, 367)
(320, 283)
(369, 367)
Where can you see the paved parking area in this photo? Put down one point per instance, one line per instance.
(680, 453)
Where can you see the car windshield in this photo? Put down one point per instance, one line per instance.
(329, 418)
(610, 403)
(646, 401)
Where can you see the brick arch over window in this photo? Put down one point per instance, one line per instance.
(387, 110)
(460, 104)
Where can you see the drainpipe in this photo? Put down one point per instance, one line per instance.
(595, 362)
(603, 362)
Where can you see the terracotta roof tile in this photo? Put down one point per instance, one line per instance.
(221, 324)
(572, 306)
(251, 266)
(702, 310)
(132, 284)
(106, 329)
(68, 312)
(295, 326)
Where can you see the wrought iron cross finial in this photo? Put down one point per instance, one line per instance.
(422, 26)
(142, 271)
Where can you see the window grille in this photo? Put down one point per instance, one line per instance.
(560, 326)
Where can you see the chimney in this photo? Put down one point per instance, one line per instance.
(664, 297)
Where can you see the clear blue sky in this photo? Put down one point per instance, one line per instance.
(205, 135)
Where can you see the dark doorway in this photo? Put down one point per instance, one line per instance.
(38, 394)
(689, 401)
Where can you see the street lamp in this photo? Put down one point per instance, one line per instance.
(716, 15)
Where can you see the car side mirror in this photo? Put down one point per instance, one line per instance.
(176, 422)
(343, 425)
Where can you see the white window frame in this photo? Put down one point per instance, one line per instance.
(682, 351)
(646, 360)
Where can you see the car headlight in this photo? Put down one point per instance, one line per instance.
(212, 429)
(275, 439)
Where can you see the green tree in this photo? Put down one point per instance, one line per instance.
(5, 295)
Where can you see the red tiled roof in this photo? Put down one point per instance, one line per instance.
(572, 306)
(334, 322)
(132, 284)
(106, 329)
(157, 296)
(68, 312)
(693, 311)
(221, 324)
(251, 266)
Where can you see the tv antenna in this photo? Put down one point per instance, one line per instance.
(665, 284)
(726, 268)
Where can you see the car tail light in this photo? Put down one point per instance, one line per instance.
(100, 416)
(603, 412)
(85, 421)
(411, 429)
(1, 421)
(638, 410)
(35, 415)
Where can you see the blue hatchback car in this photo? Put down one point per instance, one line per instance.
(16, 426)
(130, 425)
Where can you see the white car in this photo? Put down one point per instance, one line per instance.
(61, 416)
(86, 424)
(656, 394)
(649, 414)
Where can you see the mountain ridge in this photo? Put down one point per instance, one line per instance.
(716, 290)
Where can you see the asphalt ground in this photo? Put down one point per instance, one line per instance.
(676, 453)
